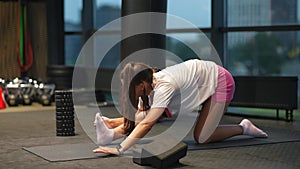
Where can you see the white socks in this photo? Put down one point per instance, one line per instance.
(251, 130)
(105, 135)
(105, 120)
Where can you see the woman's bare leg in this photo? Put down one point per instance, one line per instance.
(113, 122)
(119, 132)
(207, 127)
(225, 131)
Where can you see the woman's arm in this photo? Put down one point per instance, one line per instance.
(140, 131)
(142, 128)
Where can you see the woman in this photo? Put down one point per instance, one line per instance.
(184, 86)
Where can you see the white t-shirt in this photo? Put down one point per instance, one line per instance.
(185, 86)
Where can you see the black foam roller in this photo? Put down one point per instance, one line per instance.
(65, 125)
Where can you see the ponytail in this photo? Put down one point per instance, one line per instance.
(132, 75)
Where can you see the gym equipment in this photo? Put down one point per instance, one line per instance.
(13, 94)
(2, 103)
(45, 94)
(65, 125)
(27, 91)
(61, 76)
(271, 92)
(149, 154)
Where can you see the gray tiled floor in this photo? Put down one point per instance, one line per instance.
(35, 126)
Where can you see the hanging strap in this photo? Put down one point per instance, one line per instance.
(28, 46)
(24, 46)
(20, 50)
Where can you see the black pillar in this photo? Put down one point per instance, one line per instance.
(88, 19)
(55, 32)
(147, 40)
(218, 22)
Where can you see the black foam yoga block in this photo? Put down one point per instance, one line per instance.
(147, 156)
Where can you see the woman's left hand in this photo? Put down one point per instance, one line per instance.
(106, 150)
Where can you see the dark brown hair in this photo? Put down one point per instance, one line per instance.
(132, 75)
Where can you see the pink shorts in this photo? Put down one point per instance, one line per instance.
(226, 86)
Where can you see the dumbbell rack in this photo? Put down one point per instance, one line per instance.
(65, 125)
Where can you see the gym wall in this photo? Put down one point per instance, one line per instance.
(8, 36)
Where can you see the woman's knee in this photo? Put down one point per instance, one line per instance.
(200, 139)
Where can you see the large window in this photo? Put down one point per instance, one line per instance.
(197, 15)
(106, 11)
(262, 37)
(73, 30)
(262, 12)
(194, 11)
(257, 37)
(103, 12)
(263, 53)
(73, 43)
(187, 45)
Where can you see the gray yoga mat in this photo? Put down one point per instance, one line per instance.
(68, 152)
(65, 152)
(275, 136)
